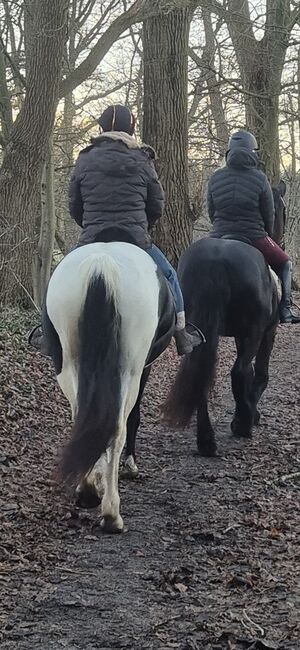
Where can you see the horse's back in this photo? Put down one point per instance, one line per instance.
(227, 276)
(230, 260)
(137, 293)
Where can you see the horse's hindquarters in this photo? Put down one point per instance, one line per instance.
(103, 301)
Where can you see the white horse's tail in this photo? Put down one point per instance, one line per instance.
(99, 385)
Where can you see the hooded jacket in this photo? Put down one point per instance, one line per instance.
(240, 198)
(114, 183)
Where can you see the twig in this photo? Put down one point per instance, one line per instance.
(258, 627)
(74, 571)
(286, 477)
(167, 620)
(27, 292)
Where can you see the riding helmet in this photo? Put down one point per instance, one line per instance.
(117, 118)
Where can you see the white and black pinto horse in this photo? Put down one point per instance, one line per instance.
(108, 314)
(228, 291)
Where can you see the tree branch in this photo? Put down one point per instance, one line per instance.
(12, 64)
(138, 12)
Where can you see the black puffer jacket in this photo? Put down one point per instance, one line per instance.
(240, 199)
(114, 183)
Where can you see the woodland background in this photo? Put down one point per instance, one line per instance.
(192, 71)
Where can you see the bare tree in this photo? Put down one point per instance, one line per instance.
(165, 122)
(21, 172)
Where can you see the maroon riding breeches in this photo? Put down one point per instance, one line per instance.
(273, 254)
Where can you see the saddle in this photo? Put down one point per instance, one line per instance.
(245, 240)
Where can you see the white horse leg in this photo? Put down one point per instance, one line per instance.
(112, 521)
(68, 382)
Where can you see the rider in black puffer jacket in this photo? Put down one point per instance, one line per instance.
(240, 199)
(114, 181)
(240, 206)
(115, 185)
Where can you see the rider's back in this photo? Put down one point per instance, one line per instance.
(114, 183)
(240, 200)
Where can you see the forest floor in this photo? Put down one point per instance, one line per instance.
(210, 557)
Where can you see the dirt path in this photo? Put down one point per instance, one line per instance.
(210, 559)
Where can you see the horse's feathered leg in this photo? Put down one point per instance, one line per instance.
(242, 375)
(190, 392)
(112, 521)
(261, 369)
(130, 467)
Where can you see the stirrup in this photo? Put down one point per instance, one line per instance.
(196, 329)
(30, 334)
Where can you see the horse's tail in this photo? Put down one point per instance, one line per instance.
(196, 374)
(99, 384)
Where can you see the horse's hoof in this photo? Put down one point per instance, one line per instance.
(208, 451)
(129, 469)
(86, 496)
(112, 525)
(239, 431)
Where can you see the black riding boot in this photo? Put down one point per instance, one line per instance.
(285, 275)
(36, 339)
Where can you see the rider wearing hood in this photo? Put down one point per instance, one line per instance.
(241, 206)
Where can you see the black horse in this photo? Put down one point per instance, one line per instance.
(228, 291)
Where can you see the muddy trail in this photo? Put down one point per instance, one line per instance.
(210, 556)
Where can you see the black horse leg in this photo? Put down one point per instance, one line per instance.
(242, 380)
(206, 442)
(130, 469)
(202, 363)
(261, 370)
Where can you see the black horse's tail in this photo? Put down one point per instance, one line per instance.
(197, 370)
(99, 385)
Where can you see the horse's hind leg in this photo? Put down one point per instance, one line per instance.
(241, 381)
(206, 442)
(130, 469)
(112, 521)
(261, 370)
(205, 361)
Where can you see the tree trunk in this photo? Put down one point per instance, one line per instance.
(263, 83)
(165, 124)
(261, 64)
(43, 259)
(21, 172)
(66, 229)
(5, 102)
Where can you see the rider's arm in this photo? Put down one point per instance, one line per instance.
(75, 198)
(266, 204)
(155, 197)
(210, 203)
